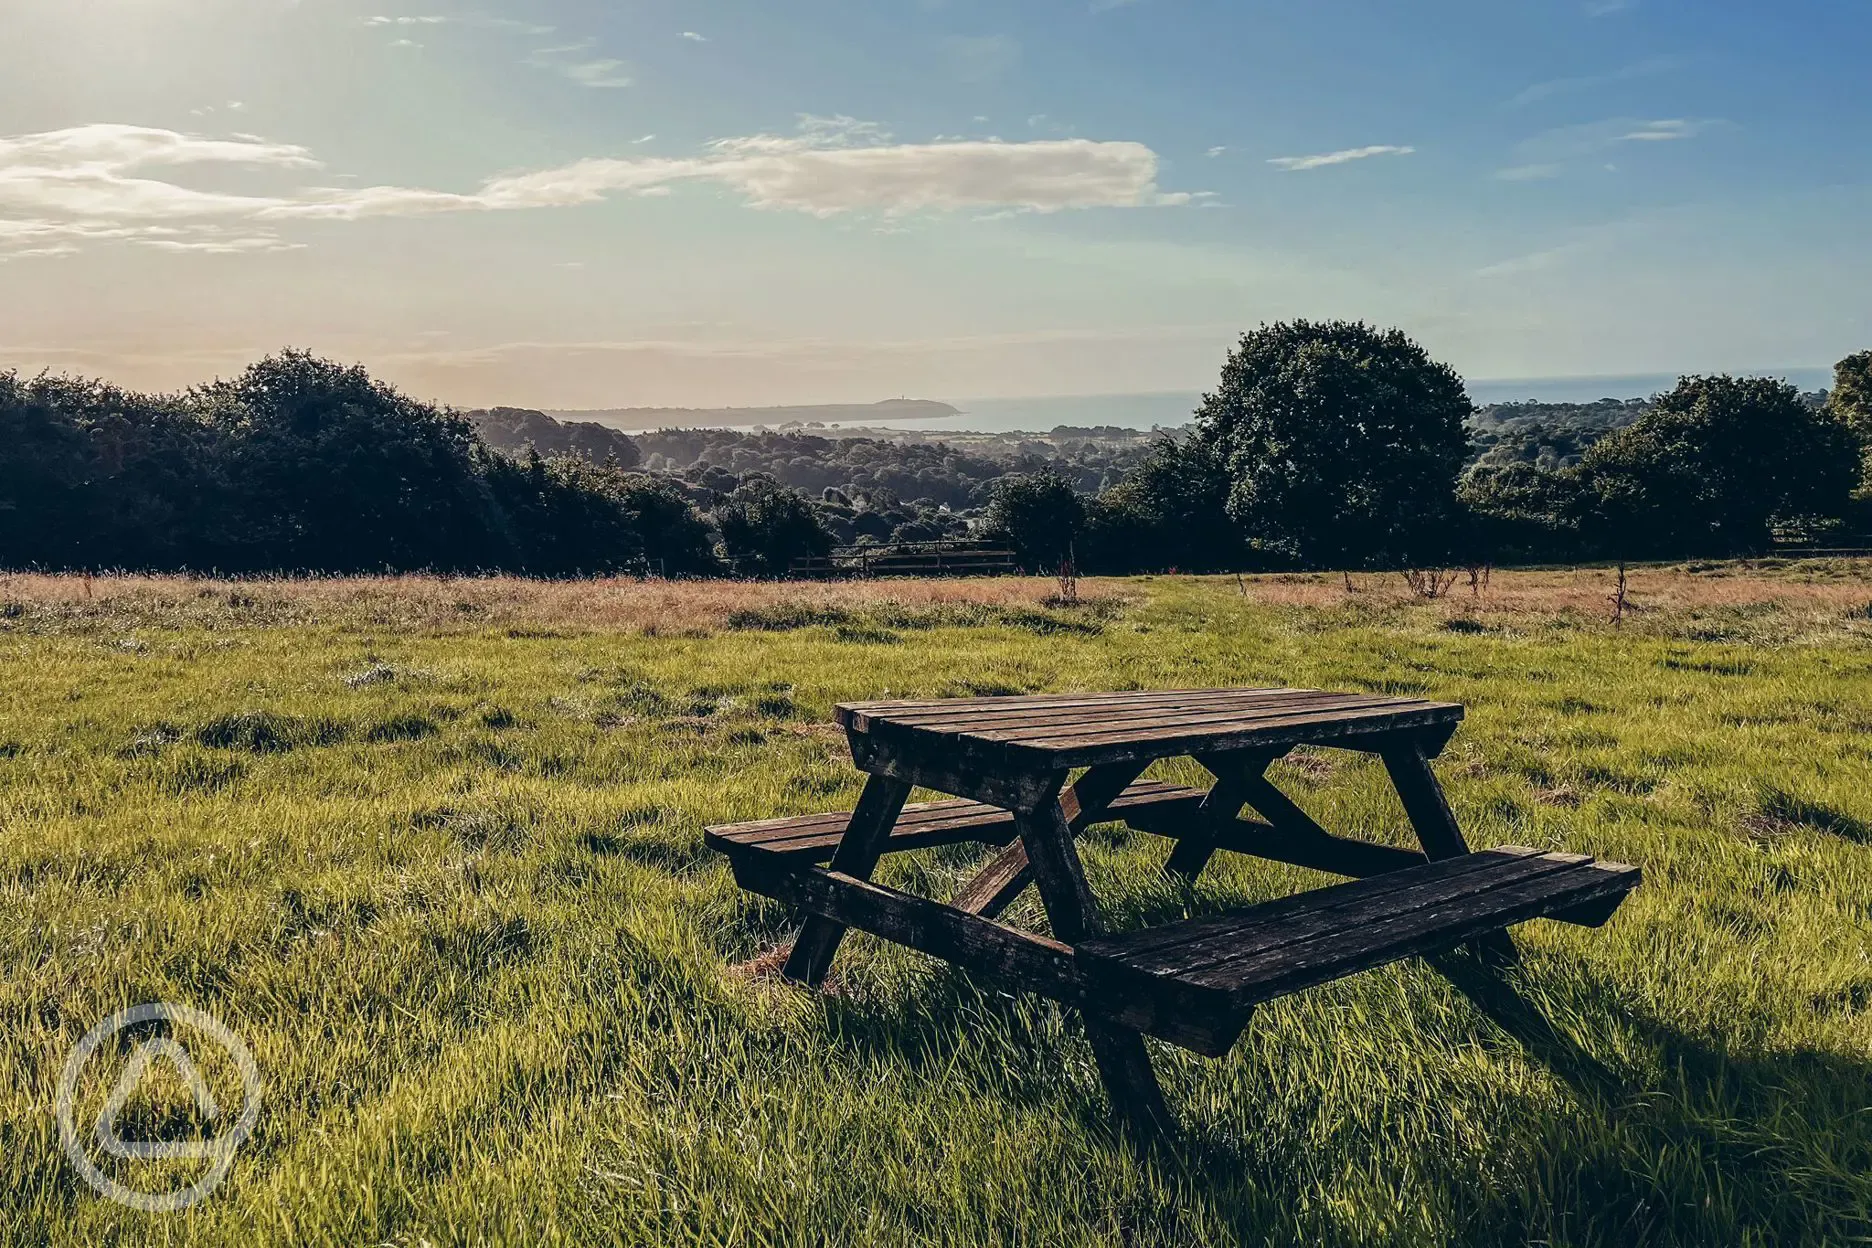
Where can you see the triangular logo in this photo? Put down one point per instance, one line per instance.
(135, 1072)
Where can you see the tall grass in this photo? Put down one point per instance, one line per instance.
(442, 869)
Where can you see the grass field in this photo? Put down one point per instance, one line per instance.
(433, 849)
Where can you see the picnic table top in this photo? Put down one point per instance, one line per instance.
(1066, 730)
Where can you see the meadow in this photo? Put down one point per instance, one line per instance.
(433, 849)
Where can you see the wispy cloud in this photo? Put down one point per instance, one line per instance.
(575, 62)
(693, 37)
(1664, 131)
(1647, 68)
(471, 19)
(1552, 152)
(89, 184)
(1324, 159)
(64, 189)
(1217, 150)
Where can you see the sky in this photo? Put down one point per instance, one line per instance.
(576, 203)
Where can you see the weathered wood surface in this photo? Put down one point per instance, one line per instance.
(813, 838)
(1007, 956)
(1251, 955)
(857, 855)
(1123, 1061)
(1038, 735)
(1429, 813)
(1097, 795)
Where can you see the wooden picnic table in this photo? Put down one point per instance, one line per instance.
(1007, 762)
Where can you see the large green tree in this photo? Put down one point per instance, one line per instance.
(1341, 443)
(1714, 465)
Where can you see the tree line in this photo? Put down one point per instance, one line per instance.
(1323, 445)
(1339, 445)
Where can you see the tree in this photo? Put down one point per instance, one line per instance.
(1039, 514)
(766, 527)
(1851, 401)
(336, 471)
(674, 539)
(93, 476)
(1341, 443)
(1712, 467)
(1523, 513)
(1170, 512)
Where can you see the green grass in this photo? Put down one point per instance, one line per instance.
(448, 883)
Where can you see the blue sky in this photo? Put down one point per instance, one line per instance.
(570, 204)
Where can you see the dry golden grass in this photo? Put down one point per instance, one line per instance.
(1831, 585)
(610, 604)
(1761, 602)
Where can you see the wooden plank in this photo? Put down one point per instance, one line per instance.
(1297, 904)
(1096, 796)
(995, 779)
(933, 815)
(857, 856)
(945, 715)
(1337, 729)
(1420, 932)
(995, 887)
(1195, 961)
(851, 714)
(1336, 854)
(1056, 871)
(1021, 725)
(1218, 813)
(1012, 958)
(1435, 824)
(1156, 727)
(1123, 1061)
(1424, 804)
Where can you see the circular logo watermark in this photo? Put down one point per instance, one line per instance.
(216, 1153)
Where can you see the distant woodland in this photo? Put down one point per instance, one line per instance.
(1322, 445)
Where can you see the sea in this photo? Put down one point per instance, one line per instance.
(1171, 408)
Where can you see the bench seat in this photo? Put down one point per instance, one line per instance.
(813, 838)
(1230, 962)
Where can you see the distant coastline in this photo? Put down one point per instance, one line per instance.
(1162, 409)
(633, 418)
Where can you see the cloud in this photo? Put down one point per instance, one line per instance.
(1664, 131)
(1650, 67)
(693, 37)
(90, 184)
(473, 20)
(63, 189)
(1296, 163)
(1551, 152)
(1216, 151)
(572, 61)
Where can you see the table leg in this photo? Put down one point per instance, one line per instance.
(1430, 815)
(1007, 875)
(1123, 1061)
(1220, 808)
(857, 855)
